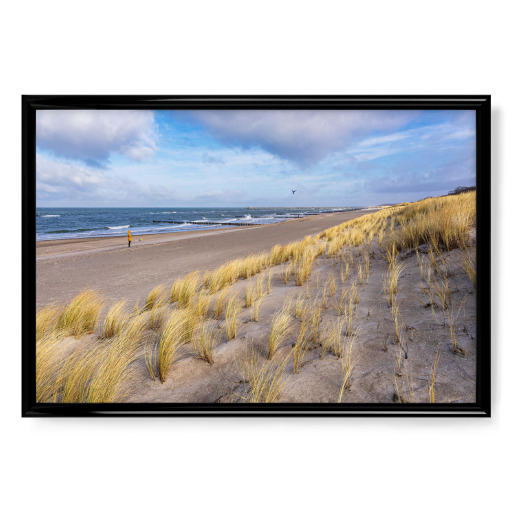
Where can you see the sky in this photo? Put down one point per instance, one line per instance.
(137, 158)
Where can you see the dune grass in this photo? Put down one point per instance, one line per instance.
(116, 317)
(100, 372)
(347, 365)
(46, 320)
(279, 330)
(333, 338)
(184, 289)
(220, 304)
(151, 357)
(265, 378)
(81, 315)
(469, 264)
(205, 341)
(172, 339)
(110, 381)
(300, 349)
(233, 310)
(432, 379)
(256, 310)
(250, 296)
(155, 297)
(390, 281)
(50, 356)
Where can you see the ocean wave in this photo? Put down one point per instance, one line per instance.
(118, 227)
(59, 231)
(50, 215)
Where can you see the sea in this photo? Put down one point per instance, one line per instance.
(64, 223)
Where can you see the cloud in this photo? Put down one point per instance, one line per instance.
(302, 136)
(92, 136)
(210, 158)
(434, 138)
(431, 179)
(68, 183)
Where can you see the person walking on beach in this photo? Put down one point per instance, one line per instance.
(129, 238)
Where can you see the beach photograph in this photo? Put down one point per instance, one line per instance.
(258, 256)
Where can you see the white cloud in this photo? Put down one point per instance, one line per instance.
(434, 138)
(68, 183)
(302, 136)
(93, 135)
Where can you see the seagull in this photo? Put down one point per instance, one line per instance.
(293, 191)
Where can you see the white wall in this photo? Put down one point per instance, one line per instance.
(264, 47)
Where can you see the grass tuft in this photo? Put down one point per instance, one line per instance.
(81, 315)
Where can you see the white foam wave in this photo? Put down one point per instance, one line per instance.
(118, 227)
(50, 215)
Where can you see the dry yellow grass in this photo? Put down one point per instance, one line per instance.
(250, 296)
(390, 281)
(110, 381)
(205, 342)
(265, 378)
(151, 358)
(332, 285)
(333, 339)
(116, 317)
(184, 289)
(75, 375)
(278, 331)
(303, 266)
(172, 339)
(50, 356)
(81, 315)
(233, 310)
(452, 321)
(199, 304)
(297, 307)
(256, 311)
(300, 349)
(312, 319)
(46, 320)
(398, 322)
(155, 296)
(432, 379)
(347, 365)
(469, 264)
(92, 372)
(438, 221)
(220, 303)
(156, 316)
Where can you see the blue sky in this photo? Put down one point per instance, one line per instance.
(250, 157)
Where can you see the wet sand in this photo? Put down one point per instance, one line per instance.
(65, 267)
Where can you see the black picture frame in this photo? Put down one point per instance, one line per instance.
(481, 104)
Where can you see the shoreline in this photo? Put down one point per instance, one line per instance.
(200, 225)
(66, 267)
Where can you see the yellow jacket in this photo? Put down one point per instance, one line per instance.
(129, 236)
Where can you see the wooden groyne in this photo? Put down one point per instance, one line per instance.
(207, 223)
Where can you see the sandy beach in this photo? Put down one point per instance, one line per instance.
(65, 267)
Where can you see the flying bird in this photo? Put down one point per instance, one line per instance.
(293, 191)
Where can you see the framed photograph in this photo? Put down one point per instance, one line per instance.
(217, 255)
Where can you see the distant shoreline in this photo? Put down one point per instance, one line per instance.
(78, 224)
